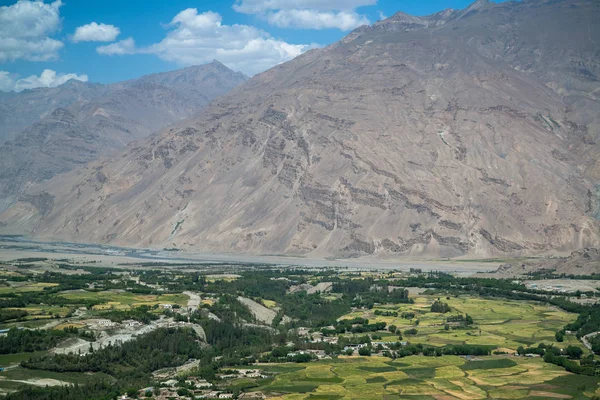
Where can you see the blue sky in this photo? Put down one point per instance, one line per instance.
(113, 40)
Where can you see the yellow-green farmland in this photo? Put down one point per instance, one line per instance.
(419, 378)
(114, 299)
(499, 322)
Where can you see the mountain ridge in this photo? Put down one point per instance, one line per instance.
(468, 137)
(110, 117)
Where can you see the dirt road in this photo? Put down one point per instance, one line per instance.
(586, 339)
(194, 301)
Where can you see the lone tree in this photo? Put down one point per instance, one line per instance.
(574, 352)
(364, 351)
(468, 320)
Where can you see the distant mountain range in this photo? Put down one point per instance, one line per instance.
(77, 122)
(468, 132)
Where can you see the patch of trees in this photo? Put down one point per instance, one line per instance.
(386, 313)
(595, 342)
(463, 319)
(96, 389)
(287, 354)
(563, 358)
(27, 341)
(355, 325)
(229, 308)
(569, 365)
(440, 307)
(129, 366)
(141, 314)
(7, 314)
(430, 351)
(232, 339)
(378, 326)
(313, 310)
(588, 321)
(134, 359)
(364, 351)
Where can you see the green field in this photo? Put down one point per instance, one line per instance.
(42, 311)
(28, 287)
(7, 360)
(124, 300)
(418, 377)
(499, 322)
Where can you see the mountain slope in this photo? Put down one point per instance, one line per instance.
(119, 113)
(20, 110)
(467, 132)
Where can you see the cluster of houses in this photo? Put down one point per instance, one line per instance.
(320, 354)
(317, 337)
(244, 373)
(197, 388)
(107, 323)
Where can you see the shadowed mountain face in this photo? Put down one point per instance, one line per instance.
(98, 120)
(467, 132)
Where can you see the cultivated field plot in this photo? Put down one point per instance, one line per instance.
(438, 378)
(38, 312)
(503, 323)
(26, 287)
(116, 299)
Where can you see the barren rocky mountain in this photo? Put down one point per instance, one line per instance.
(103, 119)
(469, 132)
(20, 110)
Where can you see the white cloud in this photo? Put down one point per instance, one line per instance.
(195, 38)
(25, 28)
(120, 48)
(48, 78)
(6, 82)
(95, 32)
(307, 14)
(312, 19)
(260, 6)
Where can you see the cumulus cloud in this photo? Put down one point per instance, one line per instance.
(25, 28)
(260, 6)
(307, 14)
(95, 32)
(122, 47)
(48, 78)
(198, 38)
(312, 19)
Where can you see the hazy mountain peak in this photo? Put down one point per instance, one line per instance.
(76, 122)
(405, 18)
(76, 83)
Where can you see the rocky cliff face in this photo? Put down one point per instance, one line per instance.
(101, 120)
(467, 132)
